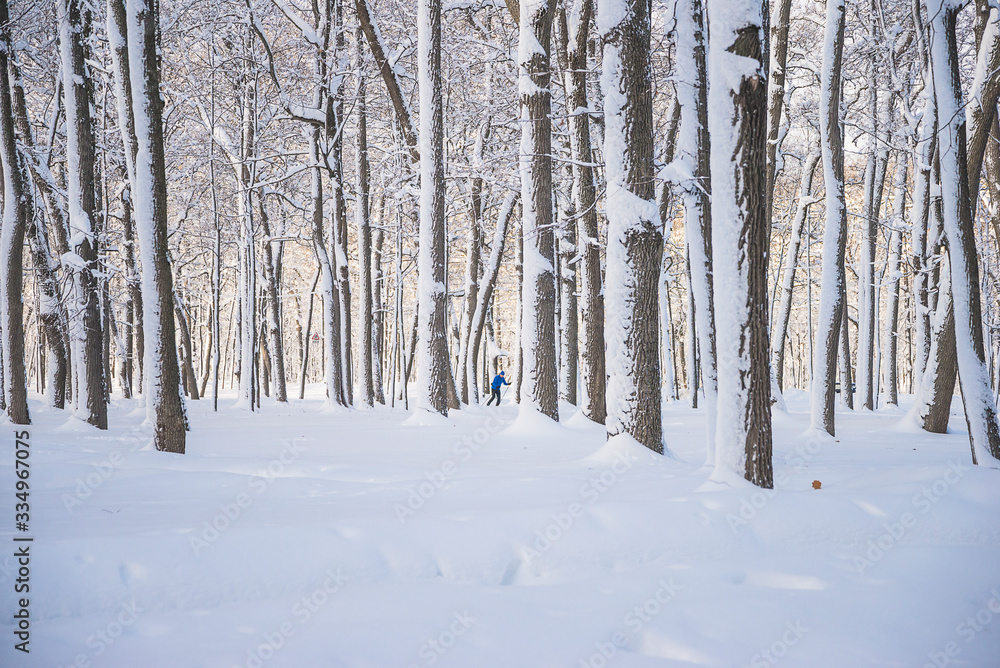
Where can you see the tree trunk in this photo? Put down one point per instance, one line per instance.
(539, 380)
(780, 330)
(85, 329)
(891, 333)
(308, 333)
(363, 220)
(188, 377)
(874, 181)
(694, 149)
(378, 320)
(832, 303)
(591, 302)
(15, 219)
(472, 269)
(433, 360)
(980, 406)
(164, 404)
(738, 125)
(635, 238)
(273, 292)
(490, 272)
(780, 23)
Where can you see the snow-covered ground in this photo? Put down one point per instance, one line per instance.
(301, 538)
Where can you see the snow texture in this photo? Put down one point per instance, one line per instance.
(269, 544)
(727, 72)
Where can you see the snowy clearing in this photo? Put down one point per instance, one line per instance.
(352, 539)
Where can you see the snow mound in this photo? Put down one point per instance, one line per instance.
(580, 421)
(425, 418)
(530, 423)
(624, 448)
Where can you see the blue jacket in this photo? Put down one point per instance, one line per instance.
(498, 381)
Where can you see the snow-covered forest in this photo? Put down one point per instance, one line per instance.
(742, 254)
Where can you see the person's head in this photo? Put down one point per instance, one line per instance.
(501, 372)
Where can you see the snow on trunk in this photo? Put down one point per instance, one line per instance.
(692, 160)
(539, 388)
(780, 330)
(432, 353)
(85, 331)
(164, 403)
(980, 406)
(15, 213)
(737, 120)
(635, 238)
(831, 301)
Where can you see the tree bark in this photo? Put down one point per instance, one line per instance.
(832, 303)
(273, 291)
(164, 404)
(363, 221)
(980, 406)
(694, 149)
(433, 370)
(539, 380)
(738, 124)
(51, 310)
(15, 220)
(591, 301)
(780, 330)
(635, 238)
(891, 333)
(86, 334)
(472, 268)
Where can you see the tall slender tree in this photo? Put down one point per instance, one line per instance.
(432, 357)
(76, 22)
(15, 220)
(831, 302)
(591, 302)
(164, 403)
(738, 124)
(635, 237)
(980, 405)
(694, 150)
(539, 381)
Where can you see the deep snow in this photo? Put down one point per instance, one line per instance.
(352, 539)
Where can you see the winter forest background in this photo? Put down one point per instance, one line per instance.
(634, 209)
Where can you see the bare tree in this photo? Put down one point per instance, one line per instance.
(433, 359)
(635, 238)
(832, 301)
(591, 302)
(538, 318)
(738, 124)
(780, 330)
(15, 220)
(980, 406)
(164, 404)
(694, 149)
(86, 334)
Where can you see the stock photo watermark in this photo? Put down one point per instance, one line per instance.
(436, 647)
(967, 630)
(102, 639)
(633, 622)
(591, 491)
(751, 505)
(229, 513)
(300, 614)
(894, 531)
(464, 450)
(773, 654)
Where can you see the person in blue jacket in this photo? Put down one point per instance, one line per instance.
(498, 381)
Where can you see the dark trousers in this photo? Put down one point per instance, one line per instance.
(495, 394)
